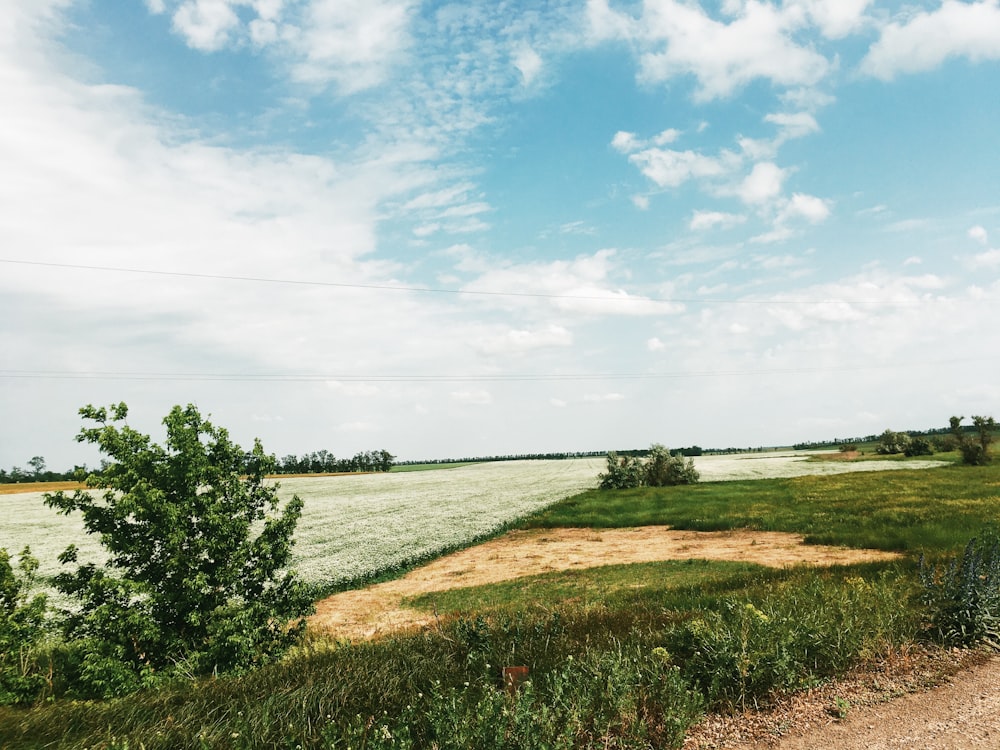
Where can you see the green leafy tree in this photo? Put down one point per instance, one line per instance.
(37, 464)
(22, 626)
(197, 548)
(975, 450)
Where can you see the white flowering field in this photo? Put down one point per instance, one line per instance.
(359, 525)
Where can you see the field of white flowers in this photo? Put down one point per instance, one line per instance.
(359, 525)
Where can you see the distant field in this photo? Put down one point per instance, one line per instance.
(358, 526)
(431, 466)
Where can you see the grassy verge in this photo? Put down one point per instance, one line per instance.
(636, 668)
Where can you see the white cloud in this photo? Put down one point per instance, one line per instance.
(625, 142)
(807, 99)
(990, 259)
(579, 286)
(779, 233)
(978, 234)
(352, 42)
(558, 403)
(763, 184)
(922, 41)
(669, 168)
(667, 136)
(528, 63)
(702, 220)
(680, 39)
(808, 207)
(794, 124)
(641, 202)
(655, 345)
(205, 24)
(835, 18)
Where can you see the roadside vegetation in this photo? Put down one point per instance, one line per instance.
(618, 656)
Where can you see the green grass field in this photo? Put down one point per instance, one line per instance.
(933, 511)
(623, 655)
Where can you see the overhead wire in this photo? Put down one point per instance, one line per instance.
(612, 297)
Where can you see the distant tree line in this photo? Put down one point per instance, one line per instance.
(507, 457)
(324, 462)
(38, 472)
(318, 462)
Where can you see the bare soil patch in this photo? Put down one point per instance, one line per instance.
(377, 610)
(18, 488)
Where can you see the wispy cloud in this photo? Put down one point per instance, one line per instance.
(923, 40)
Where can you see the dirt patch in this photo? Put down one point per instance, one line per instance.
(25, 487)
(839, 456)
(377, 609)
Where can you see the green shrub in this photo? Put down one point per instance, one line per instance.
(660, 469)
(891, 443)
(919, 446)
(664, 470)
(22, 627)
(624, 472)
(963, 595)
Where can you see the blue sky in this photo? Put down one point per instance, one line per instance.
(456, 229)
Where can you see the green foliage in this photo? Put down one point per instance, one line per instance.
(963, 595)
(797, 633)
(975, 449)
(623, 473)
(665, 470)
(622, 699)
(919, 446)
(891, 443)
(197, 548)
(660, 469)
(22, 627)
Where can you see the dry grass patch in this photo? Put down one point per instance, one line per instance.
(377, 609)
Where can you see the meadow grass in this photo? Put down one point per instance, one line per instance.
(694, 635)
(928, 510)
(620, 656)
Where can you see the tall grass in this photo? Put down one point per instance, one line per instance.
(624, 672)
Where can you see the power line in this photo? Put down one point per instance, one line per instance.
(444, 378)
(469, 292)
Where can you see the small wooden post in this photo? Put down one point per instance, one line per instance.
(513, 677)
